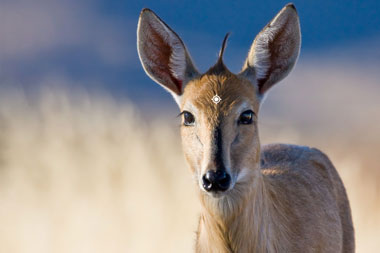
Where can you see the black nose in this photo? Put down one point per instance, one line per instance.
(214, 181)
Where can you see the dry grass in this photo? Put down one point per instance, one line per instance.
(81, 173)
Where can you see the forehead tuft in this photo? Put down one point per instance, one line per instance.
(231, 88)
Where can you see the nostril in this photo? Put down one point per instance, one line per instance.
(216, 181)
(206, 182)
(224, 181)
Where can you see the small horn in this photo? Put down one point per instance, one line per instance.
(224, 44)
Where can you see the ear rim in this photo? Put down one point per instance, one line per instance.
(264, 79)
(189, 69)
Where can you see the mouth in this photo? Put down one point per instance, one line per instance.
(218, 194)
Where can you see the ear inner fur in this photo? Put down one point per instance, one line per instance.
(163, 54)
(162, 59)
(275, 50)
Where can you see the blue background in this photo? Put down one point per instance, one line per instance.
(93, 43)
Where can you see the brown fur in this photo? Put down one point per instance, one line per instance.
(282, 198)
(292, 200)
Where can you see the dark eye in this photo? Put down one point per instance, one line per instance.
(188, 118)
(246, 117)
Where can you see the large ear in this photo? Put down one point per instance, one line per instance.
(163, 54)
(275, 50)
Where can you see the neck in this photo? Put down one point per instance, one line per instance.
(241, 223)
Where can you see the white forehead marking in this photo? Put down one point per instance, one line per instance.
(188, 106)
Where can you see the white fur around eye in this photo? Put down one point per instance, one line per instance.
(243, 107)
(188, 106)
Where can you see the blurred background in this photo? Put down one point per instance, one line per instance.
(90, 157)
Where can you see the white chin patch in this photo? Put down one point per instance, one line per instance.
(243, 174)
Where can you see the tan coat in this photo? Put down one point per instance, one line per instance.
(279, 198)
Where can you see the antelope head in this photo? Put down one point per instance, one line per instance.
(219, 109)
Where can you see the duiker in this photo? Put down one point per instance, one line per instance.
(275, 198)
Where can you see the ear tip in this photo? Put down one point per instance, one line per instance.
(291, 6)
(146, 12)
(289, 11)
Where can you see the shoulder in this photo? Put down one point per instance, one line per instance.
(290, 153)
(293, 157)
